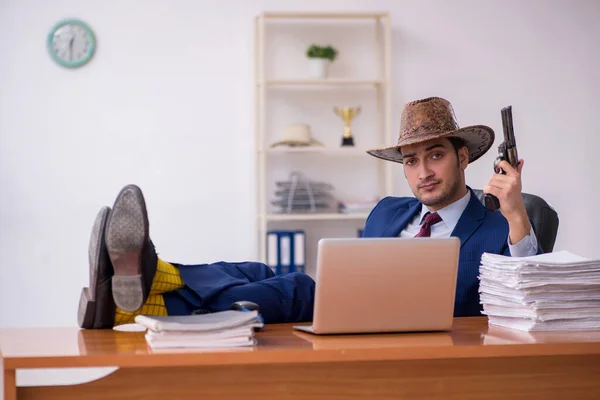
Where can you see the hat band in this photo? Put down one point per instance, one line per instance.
(424, 131)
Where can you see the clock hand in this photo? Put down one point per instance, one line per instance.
(71, 48)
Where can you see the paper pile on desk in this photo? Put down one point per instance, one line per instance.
(548, 292)
(221, 329)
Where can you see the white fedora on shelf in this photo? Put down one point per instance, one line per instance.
(297, 135)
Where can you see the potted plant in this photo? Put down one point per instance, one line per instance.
(319, 58)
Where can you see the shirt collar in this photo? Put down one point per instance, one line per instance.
(452, 212)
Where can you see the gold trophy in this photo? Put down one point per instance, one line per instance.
(347, 114)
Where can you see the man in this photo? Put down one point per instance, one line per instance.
(435, 154)
(128, 278)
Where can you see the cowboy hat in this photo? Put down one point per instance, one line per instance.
(433, 118)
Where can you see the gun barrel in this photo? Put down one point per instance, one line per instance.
(511, 129)
(507, 125)
(509, 136)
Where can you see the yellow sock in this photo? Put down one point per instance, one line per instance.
(165, 280)
(154, 305)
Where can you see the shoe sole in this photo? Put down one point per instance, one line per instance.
(126, 234)
(88, 315)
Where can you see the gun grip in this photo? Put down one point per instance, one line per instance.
(491, 202)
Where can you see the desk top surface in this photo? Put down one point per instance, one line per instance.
(280, 343)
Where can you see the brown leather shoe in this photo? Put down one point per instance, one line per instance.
(130, 250)
(96, 305)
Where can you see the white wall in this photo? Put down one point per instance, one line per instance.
(167, 103)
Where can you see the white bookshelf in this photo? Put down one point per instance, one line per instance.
(344, 152)
(324, 15)
(316, 217)
(322, 82)
(272, 87)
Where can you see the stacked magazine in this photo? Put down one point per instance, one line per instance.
(548, 292)
(220, 329)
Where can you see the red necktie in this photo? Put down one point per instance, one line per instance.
(430, 219)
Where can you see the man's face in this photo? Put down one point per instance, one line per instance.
(435, 172)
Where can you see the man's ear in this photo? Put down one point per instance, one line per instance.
(463, 157)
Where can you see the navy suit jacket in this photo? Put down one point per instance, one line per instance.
(478, 229)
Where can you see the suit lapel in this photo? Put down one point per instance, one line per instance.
(470, 220)
(400, 219)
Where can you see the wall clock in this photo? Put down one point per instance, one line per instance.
(71, 43)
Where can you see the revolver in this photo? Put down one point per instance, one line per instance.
(506, 151)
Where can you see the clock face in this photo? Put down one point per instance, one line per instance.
(71, 43)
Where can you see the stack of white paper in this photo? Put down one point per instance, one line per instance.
(548, 292)
(221, 329)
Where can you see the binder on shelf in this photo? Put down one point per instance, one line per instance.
(286, 251)
(279, 251)
(272, 250)
(299, 251)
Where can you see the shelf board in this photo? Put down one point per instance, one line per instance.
(310, 15)
(316, 216)
(323, 82)
(332, 151)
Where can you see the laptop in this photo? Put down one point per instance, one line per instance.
(378, 285)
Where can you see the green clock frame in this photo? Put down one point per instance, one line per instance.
(86, 28)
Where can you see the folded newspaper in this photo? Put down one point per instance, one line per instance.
(220, 329)
(548, 292)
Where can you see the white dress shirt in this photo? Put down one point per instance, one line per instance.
(450, 216)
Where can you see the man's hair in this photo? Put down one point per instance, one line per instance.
(456, 143)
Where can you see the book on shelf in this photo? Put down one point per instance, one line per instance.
(357, 207)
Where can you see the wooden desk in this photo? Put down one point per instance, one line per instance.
(470, 362)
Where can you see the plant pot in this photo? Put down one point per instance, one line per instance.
(318, 67)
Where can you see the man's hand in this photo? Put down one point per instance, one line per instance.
(507, 188)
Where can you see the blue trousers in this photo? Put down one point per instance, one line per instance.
(214, 287)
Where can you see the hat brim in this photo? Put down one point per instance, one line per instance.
(294, 143)
(477, 138)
